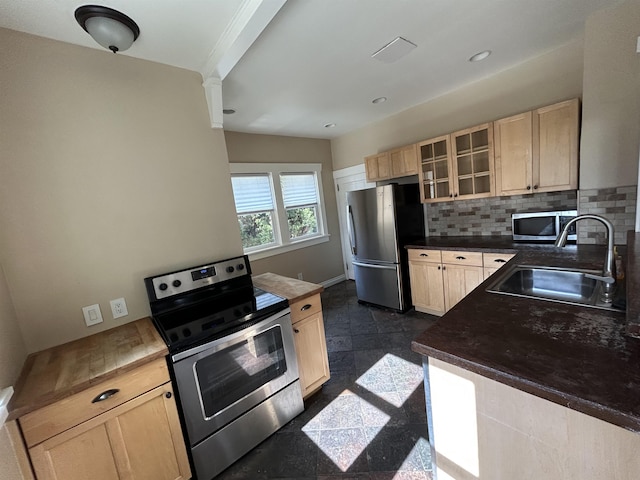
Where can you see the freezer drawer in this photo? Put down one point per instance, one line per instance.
(380, 285)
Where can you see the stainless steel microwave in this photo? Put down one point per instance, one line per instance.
(542, 226)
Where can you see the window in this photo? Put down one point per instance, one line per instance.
(279, 206)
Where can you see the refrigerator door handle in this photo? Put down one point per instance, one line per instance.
(352, 232)
(371, 265)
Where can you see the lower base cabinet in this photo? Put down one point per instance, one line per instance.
(311, 344)
(139, 439)
(440, 279)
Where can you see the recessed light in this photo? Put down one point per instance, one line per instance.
(480, 56)
(329, 125)
(228, 111)
(379, 100)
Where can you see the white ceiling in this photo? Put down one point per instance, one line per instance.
(312, 64)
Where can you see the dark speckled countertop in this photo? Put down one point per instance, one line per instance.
(575, 356)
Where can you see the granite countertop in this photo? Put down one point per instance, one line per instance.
(496, 244)
(58, 372)
(292, 289)
(575, 356)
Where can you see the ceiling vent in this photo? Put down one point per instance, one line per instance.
(394, 50)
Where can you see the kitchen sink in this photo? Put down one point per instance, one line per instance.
(552, 284)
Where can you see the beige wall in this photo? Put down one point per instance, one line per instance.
(611, 100)
(109, 172)
(319, 262)
(544, 80)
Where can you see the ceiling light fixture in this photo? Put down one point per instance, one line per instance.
(480, 56)
(329, 125)
(228, 111)
(379, 100)
(108, 27)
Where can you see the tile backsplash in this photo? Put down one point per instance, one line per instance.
(491, 216)
(617, 204)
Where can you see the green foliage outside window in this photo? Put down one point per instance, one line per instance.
(302, 221)
(256, 229)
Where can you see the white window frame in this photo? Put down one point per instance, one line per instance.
(281, 226)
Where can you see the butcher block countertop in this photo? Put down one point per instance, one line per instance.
(58, 372)
(292, 289)
(578, 357)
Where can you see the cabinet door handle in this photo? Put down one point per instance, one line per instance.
(305, 307)
(535, 187)
(499, 260)
(424, 255)
(438, 267)
(528, 187)
(296, 330)
(460, 258)
(455, 195)
(168, 394)
(443, 267)
(105, 395)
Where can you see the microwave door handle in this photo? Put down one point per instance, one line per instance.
(352, 232)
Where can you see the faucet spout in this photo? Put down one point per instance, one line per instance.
(607, 271)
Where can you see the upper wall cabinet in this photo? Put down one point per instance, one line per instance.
(399, 162)
(404, 161)
(435, 169)
(473, 162)
(538, 151)
(377, 167)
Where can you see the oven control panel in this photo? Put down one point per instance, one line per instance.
(193, 278)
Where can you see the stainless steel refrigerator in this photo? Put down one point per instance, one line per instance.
(382, 221)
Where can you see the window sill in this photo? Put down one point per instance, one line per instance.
(271, 251)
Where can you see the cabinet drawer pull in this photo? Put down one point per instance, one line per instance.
(424, 255)
(105, 395)
(500, 260)
(460, 258)
(306, 307)
(296, 330)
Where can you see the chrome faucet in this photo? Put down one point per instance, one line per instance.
(607, 272)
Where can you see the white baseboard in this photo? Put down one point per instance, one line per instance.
(334, 280)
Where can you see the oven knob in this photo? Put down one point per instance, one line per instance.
(174, 337)
(177, 283)
(230, 269)
(237, 313)
(186, 332)
(240, 266)
(163, 286)
(247, 309)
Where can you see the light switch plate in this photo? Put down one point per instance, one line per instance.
(92, 315)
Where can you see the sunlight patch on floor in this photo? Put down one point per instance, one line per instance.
(392, 374)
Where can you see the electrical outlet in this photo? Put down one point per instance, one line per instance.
(119, 308)
(92, 315)
(300, 276)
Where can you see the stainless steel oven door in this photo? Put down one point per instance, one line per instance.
(219, 381)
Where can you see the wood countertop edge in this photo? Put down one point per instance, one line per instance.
(19, 406)
(292, 289)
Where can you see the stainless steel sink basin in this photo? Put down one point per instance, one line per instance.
(553, 284)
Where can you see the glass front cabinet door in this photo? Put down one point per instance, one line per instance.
(473, 163)
(435, 170)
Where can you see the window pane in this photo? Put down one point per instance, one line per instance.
(252, 193)
(298, 189)
(256, 229)
(302, 221)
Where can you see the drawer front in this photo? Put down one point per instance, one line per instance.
(462, 258)
(305, 307)
(420, 255)
(496, 260)
(66, 413)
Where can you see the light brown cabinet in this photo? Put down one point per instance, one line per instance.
(404, 161)
(441, 278)
(137, 435)
(434, 173)
(427, 285)
(473, 162)
(492, 262)
(538, 151)
(310, 343)
(378, 167)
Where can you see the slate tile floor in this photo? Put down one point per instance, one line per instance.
(368, 422)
